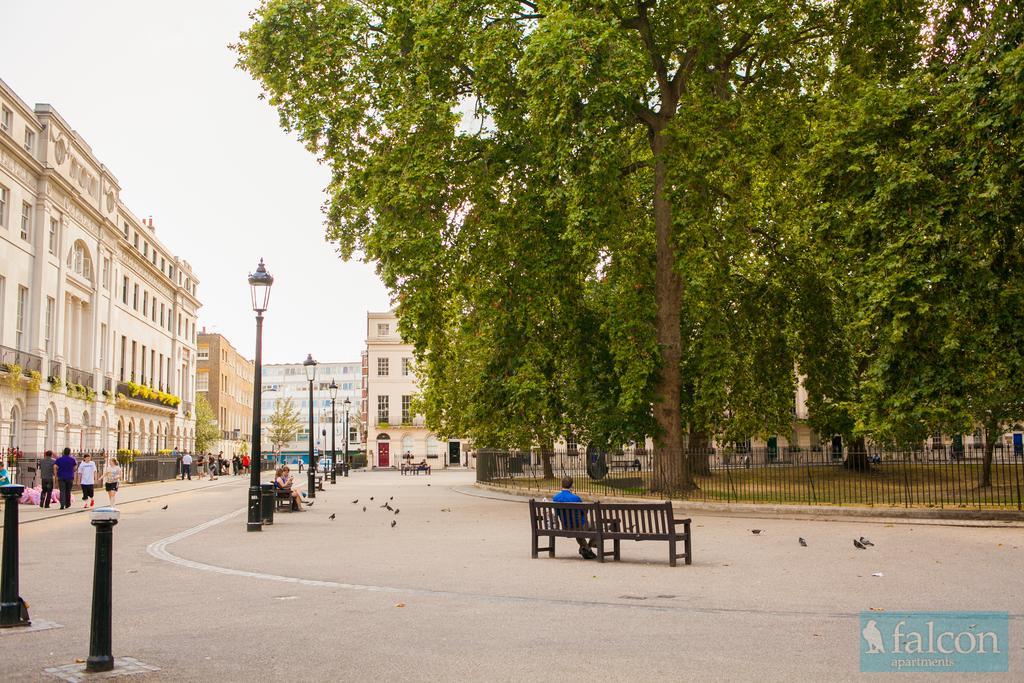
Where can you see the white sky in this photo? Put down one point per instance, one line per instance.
(151, 87)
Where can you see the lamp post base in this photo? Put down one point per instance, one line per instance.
(255, 521)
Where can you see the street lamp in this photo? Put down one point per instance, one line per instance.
(310, 366)
(259, 283)
(333, 388)
(348, 405)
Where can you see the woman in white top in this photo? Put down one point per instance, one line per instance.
(87, 478)
(111, 477)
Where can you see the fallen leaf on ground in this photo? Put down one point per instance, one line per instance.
(79, 660)
(401, 604)
(876, 609)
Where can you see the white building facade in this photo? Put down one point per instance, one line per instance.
(288, 380)
(97, 317)
(396, 434)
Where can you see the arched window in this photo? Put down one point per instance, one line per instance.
(15, 434)
(79, 260)
(406, 445)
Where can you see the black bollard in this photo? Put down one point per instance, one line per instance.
(267, 494)
(100, 656)
(13, 610)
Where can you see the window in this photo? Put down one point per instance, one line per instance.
(26, 221)
(142, 375)
(135, 239)
(30, 140)
(5, 196)
(135, 297)
(126, 229)
(124, 352)
(353, 433)
(103, 346)
(383, 329)
(145, 248)
(382, 367)
(407, 410)
(106, 273)
(79, 261)
(163, 267)
(5, 119)
(124, 289)
(53, 235)
(162, 323)
(19, 328)
(152, 312)
(202, 382)
(383, 410)
(50, 303)
(406, 367)
(145, 303)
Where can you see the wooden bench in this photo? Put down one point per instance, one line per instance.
(625, 464)
(415, 469)
(283, 499)
(614, 522)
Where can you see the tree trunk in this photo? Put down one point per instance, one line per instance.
(857, 457)
(545, 460)
(671, 468)
(698, 448)
(991, 435)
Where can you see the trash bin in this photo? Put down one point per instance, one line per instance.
(267, 500)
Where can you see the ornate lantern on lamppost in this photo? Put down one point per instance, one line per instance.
(260, 283)
(310, 365)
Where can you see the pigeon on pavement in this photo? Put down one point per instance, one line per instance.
(164, 507)
(397, 511)
(355, 501)
(756, 532)
(364, 508)
(802, 542)
(865, 541)
(333, 515)
(393, 523)
(858, 544)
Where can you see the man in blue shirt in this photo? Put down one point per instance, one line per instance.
(574, 519)
(66, 465)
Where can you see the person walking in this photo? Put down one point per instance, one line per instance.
(47, 471)
(186, 467)
(111, 477)
(66, 465)
(201, 465)
(211, 463)
(87, 479)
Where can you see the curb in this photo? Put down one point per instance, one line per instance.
(1011, 518)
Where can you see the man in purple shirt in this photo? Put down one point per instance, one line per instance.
(574, 519)
(66, 465)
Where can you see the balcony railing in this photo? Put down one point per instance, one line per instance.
(54, 369)
(76, 376)
(108, 383)
(29, 362)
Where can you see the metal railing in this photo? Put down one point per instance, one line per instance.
(948, 477)
(29, 362)
(76, 376)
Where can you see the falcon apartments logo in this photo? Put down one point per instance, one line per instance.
(934, 641)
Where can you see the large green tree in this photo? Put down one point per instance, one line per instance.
(284, 424)
(598, 247)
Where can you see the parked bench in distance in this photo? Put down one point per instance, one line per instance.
(615, 522)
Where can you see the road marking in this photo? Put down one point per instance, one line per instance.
(158, 549)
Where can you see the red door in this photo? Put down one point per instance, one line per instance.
(383, 459)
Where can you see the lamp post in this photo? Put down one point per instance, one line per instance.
(310, 366)
(334, 457)
(259, 283)
(348, 405)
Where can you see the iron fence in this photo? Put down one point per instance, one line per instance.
(135, 470)
(932, 478)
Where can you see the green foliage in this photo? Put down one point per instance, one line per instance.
(283, 424)
(207, 431)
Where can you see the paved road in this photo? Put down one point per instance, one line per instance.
(450, 592)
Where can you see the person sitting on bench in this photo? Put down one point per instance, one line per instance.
(284, 480)
(575, 519)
